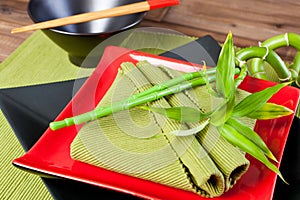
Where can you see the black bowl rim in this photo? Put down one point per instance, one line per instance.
(140, 18)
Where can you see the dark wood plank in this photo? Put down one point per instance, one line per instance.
(254, 19)
(12, 14)
(250, 21)
(157, 15)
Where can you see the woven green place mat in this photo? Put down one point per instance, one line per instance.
(15, 183)
(38, 61)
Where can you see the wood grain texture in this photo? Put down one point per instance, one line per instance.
(250, 21)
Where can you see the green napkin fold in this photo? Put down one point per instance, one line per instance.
(140, 143)
(210, 138)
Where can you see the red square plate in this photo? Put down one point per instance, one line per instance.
(50, 156)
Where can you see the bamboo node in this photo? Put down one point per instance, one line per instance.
(259, 43)
(286, 37)
(241, 62)
(267, 53)
(293, 72)
(285, 79)
(297, 82)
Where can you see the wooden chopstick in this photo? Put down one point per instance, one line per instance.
(85, 17)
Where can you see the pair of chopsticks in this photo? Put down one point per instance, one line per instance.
(113, 12)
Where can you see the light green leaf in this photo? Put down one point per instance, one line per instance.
(191, 131)
(220, 115)
(246, 145)
(251, 135)
(209, 88)
(225, 84)
(270, 111)
(254, 101)
(225, 69)
(182, 114)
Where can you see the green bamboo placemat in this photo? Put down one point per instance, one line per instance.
(14, 183)
(37, 61)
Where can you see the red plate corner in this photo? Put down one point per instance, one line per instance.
(51, 154)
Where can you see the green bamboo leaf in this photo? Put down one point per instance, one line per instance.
(270, 111)
(221, 114)
(191, 131)
(225, 84)
(246, 145)
(251, 135)
(209, 88)
(182, 114)
(225, 69)
(254, 101)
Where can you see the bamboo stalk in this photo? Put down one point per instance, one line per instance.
(127, 103)
(175, 85)
(85, 17)
(269, 56)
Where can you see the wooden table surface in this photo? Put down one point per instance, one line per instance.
(249, 20)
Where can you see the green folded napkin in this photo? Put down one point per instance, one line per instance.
(210, 139)
(38, 61)
(140, 143)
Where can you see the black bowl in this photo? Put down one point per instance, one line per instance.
(79, 39)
